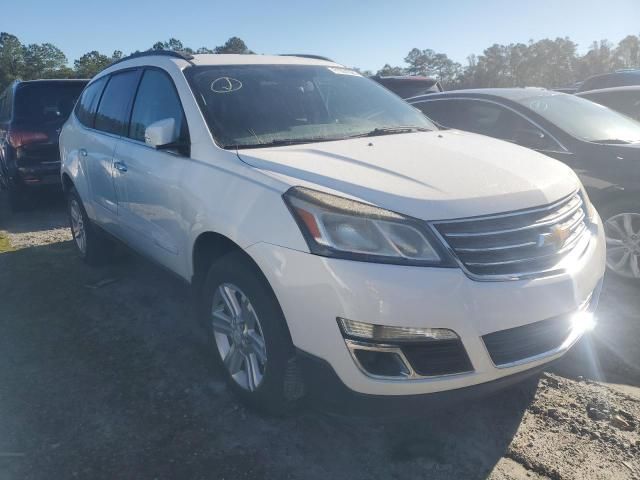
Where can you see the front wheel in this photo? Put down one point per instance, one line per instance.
(622, 231)
(249, 335)
(91, 244)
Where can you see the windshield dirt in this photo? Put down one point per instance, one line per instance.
(255, 105)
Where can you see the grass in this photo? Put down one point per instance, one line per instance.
(5, 245)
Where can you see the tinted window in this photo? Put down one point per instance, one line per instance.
(156, 100)
(113, 111)
(86, 107)
(585, 119)
(487, 118)
(625, 101)
(255, 105)
(45, 102)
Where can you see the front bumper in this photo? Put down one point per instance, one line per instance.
(313, 291)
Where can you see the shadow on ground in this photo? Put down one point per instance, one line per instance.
(116, 382)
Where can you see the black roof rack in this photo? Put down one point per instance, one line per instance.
(164, 53)
(306, 55)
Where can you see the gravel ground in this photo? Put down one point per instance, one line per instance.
(103, 374)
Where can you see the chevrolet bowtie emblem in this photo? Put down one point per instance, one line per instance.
(556, 237)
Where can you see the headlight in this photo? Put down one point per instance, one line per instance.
(338, 227)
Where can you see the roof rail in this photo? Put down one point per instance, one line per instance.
(306, 55)
(164, 53)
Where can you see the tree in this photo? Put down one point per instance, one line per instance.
(628, 52)
(172, 44)
(388, 70)
(11, 58)
(233, 45)
(432, 64)
(42, 61)
(89, 64)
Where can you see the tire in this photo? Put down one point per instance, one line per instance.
(621, 221)
(277, 386)
(92, 245)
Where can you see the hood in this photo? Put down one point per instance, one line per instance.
(427, 175)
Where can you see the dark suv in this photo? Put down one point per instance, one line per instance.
(31, 116)
(407, 86)
(621, 78)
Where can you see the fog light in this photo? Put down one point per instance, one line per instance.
(583, 321)
(383, 333)
(382, 364)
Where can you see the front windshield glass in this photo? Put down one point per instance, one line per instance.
(585, 119)
(259, 105)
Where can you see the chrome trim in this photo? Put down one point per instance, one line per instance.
(486, 100)
(551, 221)
(353, 345)
(565, 248)
(574, 241)
(492, 249)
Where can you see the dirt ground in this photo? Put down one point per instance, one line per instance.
(103, 374)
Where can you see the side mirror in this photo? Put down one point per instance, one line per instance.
(161, 133)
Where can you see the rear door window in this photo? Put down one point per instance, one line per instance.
(86, 106)
(156, 99)
(42, 103)
(113, 111)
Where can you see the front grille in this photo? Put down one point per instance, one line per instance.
(442, 357)
(524, 243)
(520, 343)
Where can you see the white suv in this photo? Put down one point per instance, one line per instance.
(340, 244)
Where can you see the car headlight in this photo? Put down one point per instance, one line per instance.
(339, 227)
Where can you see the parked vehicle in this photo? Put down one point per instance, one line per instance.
(339, 245)
(407, 86)
(622, 99)
(601, 145)
(31, 116)
(621, 78)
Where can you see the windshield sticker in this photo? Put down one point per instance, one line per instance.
(225, 85)
(344, 71)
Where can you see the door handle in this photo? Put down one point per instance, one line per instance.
(83, 152)
(121, 167)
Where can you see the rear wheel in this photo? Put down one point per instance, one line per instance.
(91, 244)
(249, 335)
(622, 231)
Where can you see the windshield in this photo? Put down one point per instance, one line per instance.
(585, 119)
(256, 105)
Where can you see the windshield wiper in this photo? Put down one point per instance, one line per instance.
(617, 141)
(390, 131)
(282, 142)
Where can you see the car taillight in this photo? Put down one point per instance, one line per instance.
(20, 138)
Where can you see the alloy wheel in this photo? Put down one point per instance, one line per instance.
(239, 336)
(623, 244)
(77, 226)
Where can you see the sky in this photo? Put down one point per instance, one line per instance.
(365, 34)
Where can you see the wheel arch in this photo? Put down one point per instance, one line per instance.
(211, 246)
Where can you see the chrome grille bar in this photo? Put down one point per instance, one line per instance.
(532, 242)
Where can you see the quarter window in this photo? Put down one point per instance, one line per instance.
(157, 99)
(114, 108)
(86, 107)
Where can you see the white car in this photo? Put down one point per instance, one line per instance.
(340, 245)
